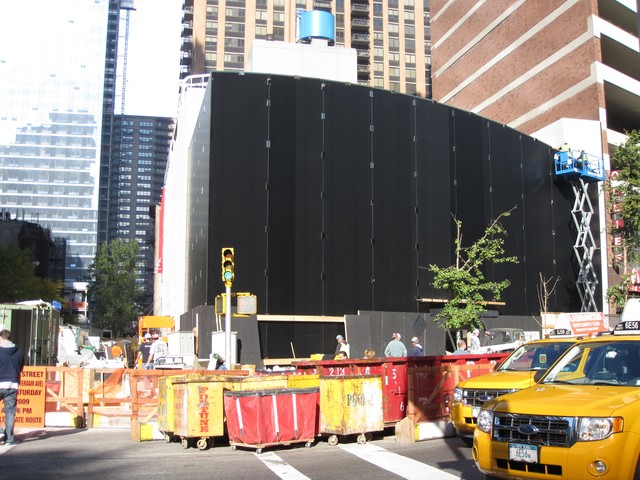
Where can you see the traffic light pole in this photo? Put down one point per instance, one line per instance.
(227, 327)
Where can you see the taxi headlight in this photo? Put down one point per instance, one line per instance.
(458, 394)
(599, 428)
(485, 421)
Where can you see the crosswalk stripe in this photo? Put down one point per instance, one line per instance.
(280, 467)
(397, 464)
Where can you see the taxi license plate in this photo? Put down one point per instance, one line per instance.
(521, 452)
(475, 411)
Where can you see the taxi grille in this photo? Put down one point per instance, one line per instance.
(538, 430)
(472, 396)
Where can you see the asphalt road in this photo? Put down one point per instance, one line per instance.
(61, 453)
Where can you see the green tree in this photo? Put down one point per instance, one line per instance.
(18, 281)
(465, 281)
(625, 193)
(113, 291)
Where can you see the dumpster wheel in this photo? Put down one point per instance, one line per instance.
(362, 439)
(203, 443)
(184, 442)
(233, 448)
(167, 437)
(258, 451)
(307, 445)
(333, 440)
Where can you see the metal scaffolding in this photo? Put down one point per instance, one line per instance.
(582, 170)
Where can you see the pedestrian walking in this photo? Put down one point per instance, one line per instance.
(11, 365)
(395, 348)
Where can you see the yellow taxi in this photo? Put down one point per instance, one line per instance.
(580, 421)
(514, 373)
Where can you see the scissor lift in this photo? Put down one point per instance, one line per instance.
(582, 170)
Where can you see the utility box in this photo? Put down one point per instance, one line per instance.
(181, 343)
(218, 346)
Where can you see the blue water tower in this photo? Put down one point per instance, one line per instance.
(317, 24)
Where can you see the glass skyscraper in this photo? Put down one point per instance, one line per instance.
(52, 79)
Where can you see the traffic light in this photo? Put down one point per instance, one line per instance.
(228, 266)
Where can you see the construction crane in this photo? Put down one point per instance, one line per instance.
(126, 6)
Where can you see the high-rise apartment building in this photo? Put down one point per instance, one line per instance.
(52, 71)
(392, 37)
(139, 152)
(559, 70)
(528, 64)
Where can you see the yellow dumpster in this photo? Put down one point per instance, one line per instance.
(198, 412)
(350, 404)
(303, 381)
(166, 406)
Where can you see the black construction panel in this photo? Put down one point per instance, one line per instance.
(283, 339)
(283, 251)
(338, 197)
(309, 144)
(470, 177)
(433, 154)
(506, 195)
(238, 202)
(347, 195)
(393, 212)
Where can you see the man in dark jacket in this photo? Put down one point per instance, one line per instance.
(11, 365)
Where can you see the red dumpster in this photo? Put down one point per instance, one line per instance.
(432, 381)
(258, 419)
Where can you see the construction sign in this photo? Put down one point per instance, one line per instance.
(31, 399)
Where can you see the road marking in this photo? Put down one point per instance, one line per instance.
(280, 467)
(397, 464)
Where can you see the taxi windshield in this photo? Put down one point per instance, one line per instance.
(598, 363)
(534, 356)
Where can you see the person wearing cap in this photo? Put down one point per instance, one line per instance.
(416, 349)
(158, 350)
(395, 348)
(342, 346)
(144, 350)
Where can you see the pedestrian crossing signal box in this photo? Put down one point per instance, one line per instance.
(246, 303)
